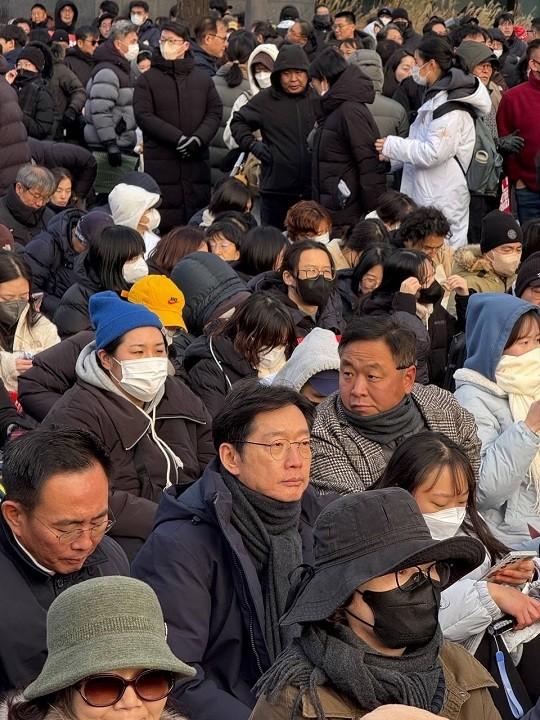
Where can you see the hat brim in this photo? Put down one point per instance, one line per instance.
(170, 318)
(534, 283)
(332, 584)
(64, 669)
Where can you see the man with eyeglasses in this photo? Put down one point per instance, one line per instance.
(518, 111)
(53, 523)
(178, 109)
(23, 209)
(378, 404)
(221, 553)
(344, 26)
(210, 44)
(80, 59)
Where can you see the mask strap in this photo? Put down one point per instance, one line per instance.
(349, 612)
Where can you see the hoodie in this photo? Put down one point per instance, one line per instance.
(128, 204)
(489, 322)
(58, 24)
(317, 352)
(289, 57)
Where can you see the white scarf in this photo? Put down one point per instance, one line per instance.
(520, 378)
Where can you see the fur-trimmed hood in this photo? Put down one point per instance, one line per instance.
(470, 259)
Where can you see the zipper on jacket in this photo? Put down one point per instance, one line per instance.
(251, 636)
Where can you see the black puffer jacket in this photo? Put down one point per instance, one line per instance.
(172, 99)
(213, 366)
(71, 315)
(206, 281)
(285, 121)
(149, 35)
(330, 317)
(51, 258)
(58, 24)
(81, 63)
(344, 150)
(24, 222)
(14, 150)
(67, 92)
(78, 160)
(37, 104)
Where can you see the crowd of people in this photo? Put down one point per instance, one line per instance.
(269, 366)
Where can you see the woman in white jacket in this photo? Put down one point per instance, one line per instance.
(436, 150)
(24, 332)
(439, 476)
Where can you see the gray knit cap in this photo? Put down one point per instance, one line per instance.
(101, 625)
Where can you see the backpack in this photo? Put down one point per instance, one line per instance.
(485, 170)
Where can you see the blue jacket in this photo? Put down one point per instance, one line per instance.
(210, 594)
(505, 497)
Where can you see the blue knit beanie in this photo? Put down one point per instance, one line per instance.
(113, 317)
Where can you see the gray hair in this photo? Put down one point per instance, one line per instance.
(38, 177)
(120, 29)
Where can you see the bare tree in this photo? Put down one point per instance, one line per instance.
(191, 11)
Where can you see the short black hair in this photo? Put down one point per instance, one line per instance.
(266, 29)
(33, 458)
(328, 65)
(38, 5)
(533, 45)
(139, 3)
(179, 29)
(424, 221)
(206, 26)
(247, 399)
(109, 6)
(462, 31)
(347, 14)
(393, 206)
(398, 337)
(366, 232)
(86, 31)
(14, 32)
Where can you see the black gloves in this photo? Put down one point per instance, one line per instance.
(510, 143)
(115, 156)
(261, 151)
(188, 146)
(69, 116)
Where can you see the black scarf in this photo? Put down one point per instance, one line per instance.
(27, 216)
(337, 657)
(269, 530)
(386, 427)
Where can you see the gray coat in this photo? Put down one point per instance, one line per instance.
(505, 496)
(345, 461)
(228, 96)
(390, 117)
(109, 107)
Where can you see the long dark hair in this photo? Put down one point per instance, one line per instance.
(12, 267)
(421, 455)
(262, 321)
(176, 244)
(400, 265)
(261, 249)
(107, 254)
(241, 45)
(375, 255)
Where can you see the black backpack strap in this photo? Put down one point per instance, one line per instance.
(452, 105)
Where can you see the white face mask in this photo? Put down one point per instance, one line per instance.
(385, 19)
(323, 238)
(154, 218)
(142, 379)
(271, 360)
(445, 523)
(169, 51)
(263, 79)
(415, 74)
(132, 52)
(498, 53)
(137, 20)
(133, 271)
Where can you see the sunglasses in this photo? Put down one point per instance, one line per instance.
(105, 690)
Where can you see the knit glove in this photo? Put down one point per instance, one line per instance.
(510, 143)
(261, 151)
(114, 155)
(188, 146)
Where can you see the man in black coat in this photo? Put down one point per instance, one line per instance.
(80, 59)
(53, 521)
(146, 30)
(221, 553)
(284, 115)
(23, 209)
(178, 109)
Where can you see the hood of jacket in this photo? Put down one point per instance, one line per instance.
(107, 53)
(462, 87)
(474, 53)
(223, 349)
(267, 48)
(289, 57)
(206, 281)
(470, 259)
(489, 321)
(173, 67)
(78, 53)
(352, 85)
(58, 24)
(128, 204)
(370, 63)
(62, 225)
(317, 352)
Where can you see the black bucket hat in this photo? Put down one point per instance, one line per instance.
(363, 536)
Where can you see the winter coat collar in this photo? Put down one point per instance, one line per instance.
(351, 86)
(107, 53)
(21, 212)
(470, 258)
(173, 67)
(466, 376)
(78, 53)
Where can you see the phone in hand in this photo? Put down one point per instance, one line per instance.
(514, 557)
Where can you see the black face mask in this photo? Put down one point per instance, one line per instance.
(322, 21)
(404, 619)
(23, 76)
(315, 291)
(431, 295)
